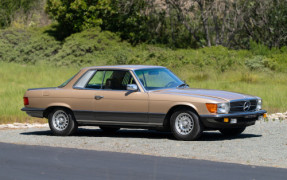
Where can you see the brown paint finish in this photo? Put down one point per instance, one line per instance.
(122, 101)
(103, 103)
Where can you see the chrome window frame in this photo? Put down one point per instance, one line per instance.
(140, 88)
(74, 85)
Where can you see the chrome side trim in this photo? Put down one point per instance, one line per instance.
(115, 122)
(122, 112)
(119, 123)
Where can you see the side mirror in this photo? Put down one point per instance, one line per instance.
(132, 87)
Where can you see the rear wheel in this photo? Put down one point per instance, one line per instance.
(185, 125)
(62, 122)
(108, 129)
(232, 131)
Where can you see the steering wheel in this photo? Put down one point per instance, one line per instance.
(171, 84)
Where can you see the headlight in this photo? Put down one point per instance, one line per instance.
(223, 108)
(259, 104)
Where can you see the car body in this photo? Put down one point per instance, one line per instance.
(136, 96)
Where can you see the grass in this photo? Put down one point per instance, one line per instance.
(33, 57)
(16, 78)
(270, 86)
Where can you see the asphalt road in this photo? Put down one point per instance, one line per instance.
(22, 162)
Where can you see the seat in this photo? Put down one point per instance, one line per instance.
(113, 84)
(116, 84)
(109, 84)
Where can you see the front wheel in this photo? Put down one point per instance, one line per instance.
(232, 131)
(185, 125)
(62, 122)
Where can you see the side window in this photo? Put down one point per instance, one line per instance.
(84, 79)
(114, 80)
(108, 75)
(128, 79)
(117, 80)
(96, 81)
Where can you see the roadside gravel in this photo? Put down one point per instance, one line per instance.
(264, 144)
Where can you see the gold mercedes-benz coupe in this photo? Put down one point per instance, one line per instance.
(135, 96)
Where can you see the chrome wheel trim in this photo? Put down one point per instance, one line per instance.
(184, 123)
(60, 120)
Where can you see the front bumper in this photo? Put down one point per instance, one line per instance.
(34, 112)
(243, 119)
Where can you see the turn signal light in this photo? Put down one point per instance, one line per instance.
(226, 120)
(26, 101)
(212, 108)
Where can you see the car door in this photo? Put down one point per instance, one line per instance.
(114, 103)
(83, 98)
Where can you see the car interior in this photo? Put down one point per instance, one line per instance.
(114, 80)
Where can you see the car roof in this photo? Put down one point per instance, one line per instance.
(125, 67)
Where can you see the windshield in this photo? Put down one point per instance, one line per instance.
(160, 78)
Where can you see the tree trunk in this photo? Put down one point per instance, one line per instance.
(204, 19)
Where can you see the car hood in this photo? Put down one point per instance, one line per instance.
(218, 94)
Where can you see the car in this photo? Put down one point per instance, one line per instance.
(138, 96)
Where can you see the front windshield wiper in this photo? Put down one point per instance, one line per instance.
(184, 85)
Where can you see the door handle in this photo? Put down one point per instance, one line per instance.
(98, 97)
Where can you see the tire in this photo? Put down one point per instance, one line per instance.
(62, 122)
(232, 131)
(185, 125)
(108, 129)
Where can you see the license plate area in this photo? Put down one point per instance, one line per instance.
(250, 116)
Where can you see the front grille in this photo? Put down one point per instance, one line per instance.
(238, 106)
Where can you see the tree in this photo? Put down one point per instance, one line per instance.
(77, 15)
(179, 23)
(8, 8)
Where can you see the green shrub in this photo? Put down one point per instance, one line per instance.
(27, 46)
(97, 47)
(259, 49)
(255, 63)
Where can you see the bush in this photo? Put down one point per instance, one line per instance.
(97, 47)
(27, 46)
(255, 63)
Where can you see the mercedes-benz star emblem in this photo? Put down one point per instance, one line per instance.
(246, 106)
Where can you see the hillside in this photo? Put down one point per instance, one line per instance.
(96, 47)
(33, 57)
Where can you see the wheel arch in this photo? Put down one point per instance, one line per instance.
(175, 108)
(48, 110)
